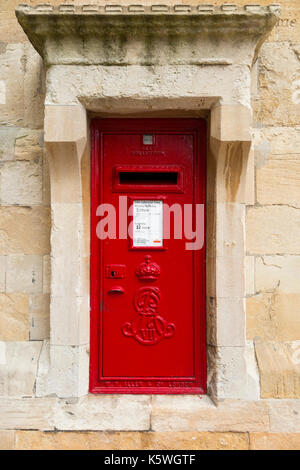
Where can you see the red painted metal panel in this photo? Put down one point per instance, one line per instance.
(147, 303)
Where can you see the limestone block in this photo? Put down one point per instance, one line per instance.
(3, 265)
(281, 272)
(66, 220)
(194, 86)
(11, 76)
(7, 440)
(230, 220)
(267, 234)
(18, 371)
(237, 375)
(273, 316)
(63, 370)
(14, 317)
(7, 142)
(279, 368)
(46, 182)
(193, 413)
(288, 26)
(249, 274)
(104, 412)
(196, 441)
(24, 273)
(278, 102)
(274, 441)
(231, 122)
(11, 31)
(77, 77)
(66, 124)
(284, 415)
(230, 278)
(46, 274)
(250, 180)
(34, 88)
(70, 320)
(226, 322)
(261, 317)
(64, 440)
(27, 413)
(276, 143)
(101, 440)
(21, 183)
(39, 317)
(24, 230)
(278, 182)
(29, 145)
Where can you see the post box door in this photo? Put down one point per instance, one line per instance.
(147, 288)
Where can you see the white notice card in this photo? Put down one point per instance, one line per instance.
(147, 223)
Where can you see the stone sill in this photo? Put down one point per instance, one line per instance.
(149, 413)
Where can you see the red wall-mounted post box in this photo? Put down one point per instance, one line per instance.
(147, 287)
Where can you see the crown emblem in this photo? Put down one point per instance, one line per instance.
(148, 270)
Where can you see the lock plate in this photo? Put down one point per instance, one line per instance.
(115, 271)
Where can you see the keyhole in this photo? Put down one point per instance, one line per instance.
(113, 273)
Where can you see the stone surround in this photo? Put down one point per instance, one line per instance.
(253, 116)
(117, 66)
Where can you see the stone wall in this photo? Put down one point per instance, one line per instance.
(272, 271)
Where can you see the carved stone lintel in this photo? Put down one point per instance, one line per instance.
(180, 34)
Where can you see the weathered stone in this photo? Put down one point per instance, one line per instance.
(14, 317)
(129, 36)
(276, 143)
(272, 315)
(104, 412)
(278, 103)
(3, 265)
(18, 373)
(288, 25)
(237, 375)
(34, 89)
(267, 235)
(222, 314)
(29, 145)
(24, 273)
(274, 441)
(24, 230)
(279, 368)
(278, 182)
(278, 272)
(7, 142)
(101, 86)
(250, 180)
(192, 413)
(39, 317)
(46, 274)
(34, 440)
(27, 413)
(7, 440)
(11, 76)
(249, 274)
(63, 370)
(46, 183)
(284, 415)
(21, 183)
(70, 325)
(261, 317)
